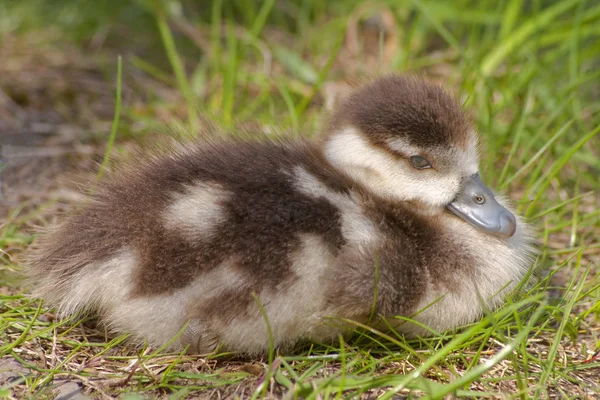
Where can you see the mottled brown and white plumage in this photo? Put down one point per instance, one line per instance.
(190, 236)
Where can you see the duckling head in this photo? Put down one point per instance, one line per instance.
(409, 141)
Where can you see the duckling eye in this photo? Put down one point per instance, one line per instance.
(419, 162)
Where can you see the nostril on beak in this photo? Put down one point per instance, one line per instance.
(508, 224)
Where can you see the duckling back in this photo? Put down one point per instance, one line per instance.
(193, 236)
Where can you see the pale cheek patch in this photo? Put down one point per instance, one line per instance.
(198, 212)
(438, 187)
(375, 169)
(389, 177)
(437, 190)
(354, 155)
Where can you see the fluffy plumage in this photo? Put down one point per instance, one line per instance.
(201, 235)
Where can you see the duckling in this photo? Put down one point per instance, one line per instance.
(218, 242)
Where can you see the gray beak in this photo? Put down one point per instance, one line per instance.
(477, 205)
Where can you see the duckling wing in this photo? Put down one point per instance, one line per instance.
(209, 226)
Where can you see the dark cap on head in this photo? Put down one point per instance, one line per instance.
(399, 106)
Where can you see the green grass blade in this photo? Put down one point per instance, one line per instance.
(261, 18)
(115, 123)
(557, 167)
(502, 51)
(537, 155)
(476, 372)
(176, 63)
(566, 310)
